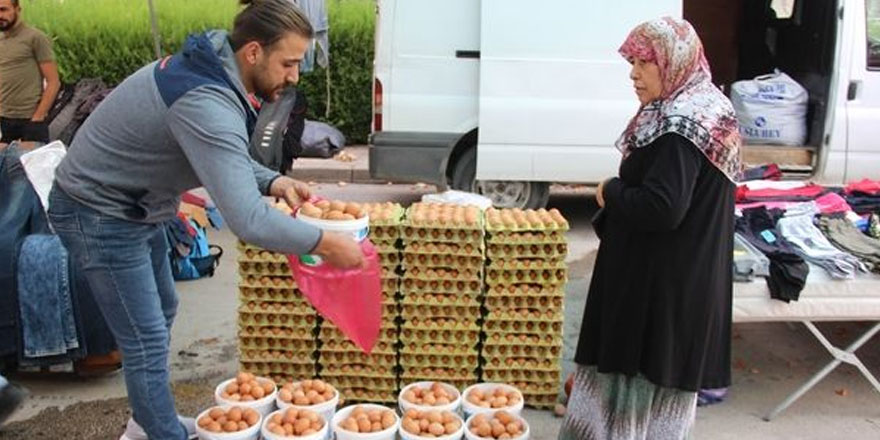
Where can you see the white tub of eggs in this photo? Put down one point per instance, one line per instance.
(313, 395)
(429, 396)
(486, 398)
(291, 423)
(365, 422)
(228, 422)
(500, 425)
(431, 424)
(248, 391)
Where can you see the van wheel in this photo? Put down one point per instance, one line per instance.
(503, 193)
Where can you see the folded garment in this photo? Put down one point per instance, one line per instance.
(748, 193)
(808, 242)
(788, 270)
(843, 234)
(864, 187)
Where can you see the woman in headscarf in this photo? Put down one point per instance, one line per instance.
(656, 327)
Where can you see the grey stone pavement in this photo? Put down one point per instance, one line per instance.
(770, 359)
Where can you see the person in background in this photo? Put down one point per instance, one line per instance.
(28, 78)
(176, 124)
(656, 326)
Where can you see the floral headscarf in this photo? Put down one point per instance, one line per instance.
(689, 105)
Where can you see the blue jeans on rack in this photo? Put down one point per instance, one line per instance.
(127, 268)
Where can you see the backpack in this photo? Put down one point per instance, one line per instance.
(194, 258)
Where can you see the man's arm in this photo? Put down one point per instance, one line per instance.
(49, 70)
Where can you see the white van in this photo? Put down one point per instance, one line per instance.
(505, 97)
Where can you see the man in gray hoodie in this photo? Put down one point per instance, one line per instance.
(179, 123)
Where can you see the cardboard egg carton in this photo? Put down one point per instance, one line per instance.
(466, 338)
(260, 343)
(387, 384)
(414, 285)
(447, 360)
(271, 295)
(371, 369)
(389, 273)
(518, 327)
(541, 401)
(513, 351)
(352, 358)
(383, 213)
(390, 286)
(440, 299)
(265, 269)
(251, 255)
(550, 251)
(278, 356)
(278, 369)
(508, 302)
(442, 323)
(384, 234)
(385, 246)
(277, 332)
(514, 238)
(381, 347)
(423, 236)
(545, 339)
(526, 264)
(442, 261)
(389, 258)
(365, 395)
(437, 373)
(267, 282)
(515, 220)
(536, 388)
(521, 375)
(272, 320)
(328, 332)
(276, 308)
(455, 249)
(544, 277)
(428, 274)
(526, 290)
(444, 216)
(519, 363)
(534, 315)
(438, 347)
(411, 312)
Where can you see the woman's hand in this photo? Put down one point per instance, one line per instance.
(600, 198)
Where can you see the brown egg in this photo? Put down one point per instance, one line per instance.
(337, 206)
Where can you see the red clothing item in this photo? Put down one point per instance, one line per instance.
(866, 186)
(802, 194)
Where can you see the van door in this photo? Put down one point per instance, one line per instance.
(863, 93)
(554, 93)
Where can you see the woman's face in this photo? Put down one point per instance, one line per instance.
(646, 80)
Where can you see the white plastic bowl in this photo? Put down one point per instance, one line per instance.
(453, 406)
(454, 436)
(320, 435)
(470, 409)
(326, 409)
(252, 433)
(358, 228)
(342, 434)
(471, 436)
(263, 406)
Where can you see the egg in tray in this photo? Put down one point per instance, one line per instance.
(525, 288)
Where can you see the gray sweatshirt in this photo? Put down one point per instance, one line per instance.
(177, 124)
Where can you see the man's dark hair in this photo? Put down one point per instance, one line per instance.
(266, 21)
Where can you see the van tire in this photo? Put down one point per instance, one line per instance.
(464, 171)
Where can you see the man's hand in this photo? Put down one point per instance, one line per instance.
(292, 191)
(340, 250)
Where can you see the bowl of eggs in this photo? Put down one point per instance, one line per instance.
(249, 391)
(314, 395)
(365, 422)
(229, 423)
(425, 396)
(434, 424)
(484, 398)
(496, 426)
(337, 216)
(293, 423)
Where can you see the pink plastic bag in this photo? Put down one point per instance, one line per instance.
(349, 298)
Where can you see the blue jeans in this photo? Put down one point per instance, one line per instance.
(127, 269)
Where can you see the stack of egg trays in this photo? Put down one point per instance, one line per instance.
(523, 322)
(359, 377)
(276, 324)
(441, 300)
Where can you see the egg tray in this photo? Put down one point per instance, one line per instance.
(540, 328)
(265, 269)
(442, 323)
(511, 338)
(418, 286)
(389, 258)
(543, 277)
(329, 332)
(438, 348)
(465, 337)
(454, 249)
(388, 384)
(496, 304)
(515, 238)
(541, 401)
(267, 282)
(352, 358)
(384, 234)
(277, 332)
(277, 369)
(262, 343)
(440, 299)
(415, 273)
(526, 314)
(272, 319)
(364, 395)
(370, 370)
(459, 383)
(519, 363)
(525, 265)
(276, 308)
(413, 312)
(439, 236)
(251, 255)
(497, 251)
(521, 375)
(449, 360)
(531, 351)
(396, 215)
(381, 347)
(526, 290)
(279, 356)
(437, 373)
(271, 295)
(440, 260)
(422, 210)
(534, 388)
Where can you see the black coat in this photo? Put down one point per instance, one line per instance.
(659, 302)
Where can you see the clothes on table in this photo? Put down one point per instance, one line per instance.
(809, 242)
(864, 204)
(748, 261)
(788, 270)
(864, 187)
(762, 172)
(750, 193)
(847, 237)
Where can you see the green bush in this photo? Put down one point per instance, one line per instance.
(110, 39)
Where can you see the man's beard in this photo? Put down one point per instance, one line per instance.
(7, 25)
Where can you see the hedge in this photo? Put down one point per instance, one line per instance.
(110, 39)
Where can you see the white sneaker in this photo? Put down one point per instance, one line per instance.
(133, 431)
